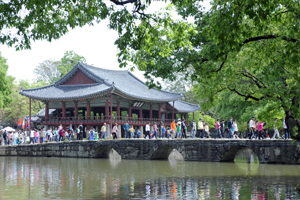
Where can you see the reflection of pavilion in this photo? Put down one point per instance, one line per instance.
(92, 96)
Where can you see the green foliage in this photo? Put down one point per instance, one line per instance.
(232, 105)
(24, 21)
(5, 83)
(47, 71)
(68, 61)
(206, 118)
(51, 71)
(244, 47)
(19, 106)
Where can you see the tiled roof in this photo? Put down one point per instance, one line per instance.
(61, 92)
(185, 107)
(121, 82)
(38, 116)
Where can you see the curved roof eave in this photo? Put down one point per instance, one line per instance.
(92, 95)
(123, 94)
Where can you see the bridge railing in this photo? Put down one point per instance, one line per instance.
(102, 119)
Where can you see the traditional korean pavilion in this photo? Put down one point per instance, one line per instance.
(94, 96)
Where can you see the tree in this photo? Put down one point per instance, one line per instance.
(68, 61)
(47, 71)
(5, 83)
(24, 21)
(19, 106)
(249, 48)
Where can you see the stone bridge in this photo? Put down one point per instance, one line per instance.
(202, 150)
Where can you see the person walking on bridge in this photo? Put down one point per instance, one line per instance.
(183, 128)
(115, 131)
(200, 128)
(173, 127)
(276, 133)
(126, 130)
(218, 129)
(147, 129)
(252, 127)
(229, 126)
(193, 129)
(285, 130)
(103, 131)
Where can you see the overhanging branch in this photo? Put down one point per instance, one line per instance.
(266, 37)
(222, 64)
(117, 2)
(248, 96)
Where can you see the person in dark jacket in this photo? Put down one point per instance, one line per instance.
(80, 135)
(223, 128)
(229, 125)
(183, 129)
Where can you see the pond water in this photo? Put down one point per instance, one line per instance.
(72, 178)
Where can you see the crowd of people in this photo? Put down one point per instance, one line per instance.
(200, 129)
(34, 136)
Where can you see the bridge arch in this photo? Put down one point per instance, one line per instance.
(103, 151)
(162, 152)
(230, 155)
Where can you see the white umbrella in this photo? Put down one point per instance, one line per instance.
(8, 129)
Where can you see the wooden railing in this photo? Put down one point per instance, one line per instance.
(102, 119)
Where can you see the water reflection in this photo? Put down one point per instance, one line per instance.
(49, 178)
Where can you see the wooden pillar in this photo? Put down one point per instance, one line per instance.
(141, 113)
(106, 110)
(151, 112)
(47, 110)
(119, 111)
(64, 110)
(29, 113)
(88, 109)
(130, 110)
(173, 112)
(111, 99)
(76, 110)
(159, 112)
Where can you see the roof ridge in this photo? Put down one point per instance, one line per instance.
(153, 88)
(114, 70)
(79, 66)
(189, 103)
(38, 88)
(102, 79)
(80, 85)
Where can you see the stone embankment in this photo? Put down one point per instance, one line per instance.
(203, 150)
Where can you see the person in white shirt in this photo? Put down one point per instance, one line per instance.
(235, 130)
(276, 133)
(147, 129)
(31, 136)
(252, 127)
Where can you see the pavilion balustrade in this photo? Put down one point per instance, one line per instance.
(107, 119)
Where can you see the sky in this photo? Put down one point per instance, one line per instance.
(95, 43)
